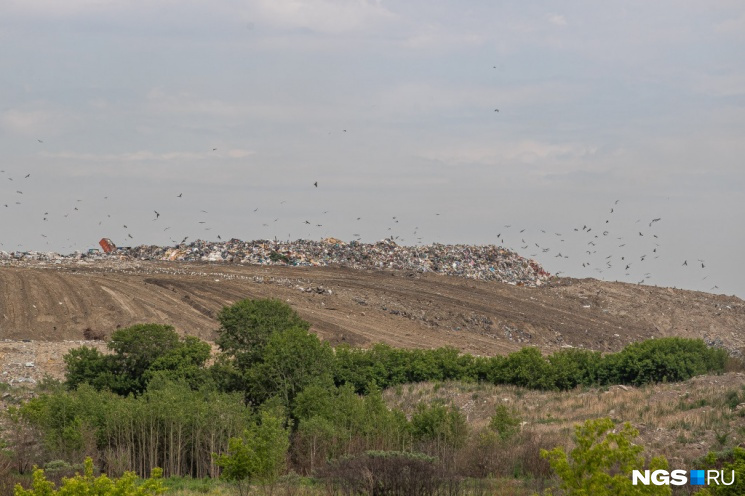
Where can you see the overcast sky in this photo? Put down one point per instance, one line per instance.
(118, 109)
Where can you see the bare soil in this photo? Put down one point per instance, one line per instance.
(53, 303)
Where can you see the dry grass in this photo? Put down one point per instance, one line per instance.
(682, 421)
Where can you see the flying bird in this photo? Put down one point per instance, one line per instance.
(179, 195)
(315, 184)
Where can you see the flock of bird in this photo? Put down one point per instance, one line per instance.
(603, 247)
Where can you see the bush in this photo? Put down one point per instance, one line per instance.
(88, 485)
(661, 360)
(140, 352)
(444, 425)
(602, 462)
(526, 368)
(573, 367)
(505, 423)
(258, 455)
(390, 473)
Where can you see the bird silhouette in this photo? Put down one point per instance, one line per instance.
(315, 184)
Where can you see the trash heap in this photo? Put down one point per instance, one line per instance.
(488, 262)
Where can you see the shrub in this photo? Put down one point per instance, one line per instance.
(526, 368)
(140, 352)
(258, 455)
(730, 461)
(390, 473)
(602, 462)
(661, 360)
(88, 485)
(505, 422)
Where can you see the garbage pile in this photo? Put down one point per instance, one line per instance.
(487, 262)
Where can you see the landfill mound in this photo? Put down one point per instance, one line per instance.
(488, 263)
(56, 299)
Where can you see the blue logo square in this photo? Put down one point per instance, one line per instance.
(698, 477)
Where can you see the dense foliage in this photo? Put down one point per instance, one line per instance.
(655, 360)
(258, 455)
(276, 394)
(138, 354)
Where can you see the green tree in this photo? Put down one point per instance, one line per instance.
(526, 368)
(292, 360)
(245, 328)
(505, 423)
(138, 353)
(88, 365)
(183, 362)
(442, 425)
(602, 462)
(258, 455)
(138, 346)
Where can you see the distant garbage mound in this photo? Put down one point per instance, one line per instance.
(487, 262)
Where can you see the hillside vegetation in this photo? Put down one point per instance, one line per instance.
(277, 400)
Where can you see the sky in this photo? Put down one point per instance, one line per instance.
(426, 121)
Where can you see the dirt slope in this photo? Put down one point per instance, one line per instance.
(55, 302)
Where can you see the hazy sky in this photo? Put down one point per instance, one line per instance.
(390, 107)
